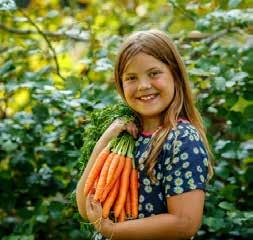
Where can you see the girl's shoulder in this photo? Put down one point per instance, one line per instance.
(184, 130)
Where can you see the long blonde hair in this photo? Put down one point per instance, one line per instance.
(157, 44)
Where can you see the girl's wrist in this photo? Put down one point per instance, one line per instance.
(107, 228)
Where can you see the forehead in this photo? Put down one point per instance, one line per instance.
(141, 62)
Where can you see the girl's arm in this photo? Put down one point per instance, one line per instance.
(181, 222)
(113, 131)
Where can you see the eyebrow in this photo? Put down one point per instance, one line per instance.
(132, 73)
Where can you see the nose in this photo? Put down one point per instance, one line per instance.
(144, 83)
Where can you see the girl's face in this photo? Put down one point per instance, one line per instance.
(148, 86)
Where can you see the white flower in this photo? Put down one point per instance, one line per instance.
(199, 169)
(175, 160)
(169, 178)
(169, 167)
(176, 150)
(202, 179)
(140, 207)
(160, 195)
(178, 190)
(148, 189)
(177, 173)
(141, 215)
(205, 161)
(191, 137)
(146, 181)
(178, 144)
(188, 174)
(141, 167)
(159, 176)
(170, 136)
(196, 150)
(141, 198)
(193, 186)
(149, 207)
(184, 156)
(186, 164)
(178, 181)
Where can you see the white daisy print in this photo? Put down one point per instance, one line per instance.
(176, 150)
(148, 189)
(141, 215)
(178, 144)
(146, 141)
(167, 161)
(191, 137)
(169, 178)
(178, 190)
(141, 167)
(196, 150)
(140, 207)
(184, 156)
(199, 169)
(178, 181)
(170, 136)
(186, 133)
(177, 173)
(141, 198)
(175, 160)
(146, 181)
(202, 150)
(188, 174)
(186, 164)
(205, 161)
(190, 181)
(149, 207)
(160, 195)
(169, 167)
(193, 186)
(159, 176)
(202, 179)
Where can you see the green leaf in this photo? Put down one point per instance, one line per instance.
(234, 3)
(226, 205)
(7, 5)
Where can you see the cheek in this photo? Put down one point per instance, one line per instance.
(128, 90)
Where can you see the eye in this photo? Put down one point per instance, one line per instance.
(130, 78)
(154, 74)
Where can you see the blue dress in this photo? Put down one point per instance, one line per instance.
(182, 166)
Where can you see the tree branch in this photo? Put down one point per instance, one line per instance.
(56, 35)
(47, 40)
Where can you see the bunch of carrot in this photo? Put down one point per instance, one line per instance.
(113, 179)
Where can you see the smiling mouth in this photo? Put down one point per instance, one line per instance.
(148, 97)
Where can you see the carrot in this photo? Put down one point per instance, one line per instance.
(128, 204)
(134, 192)
(93, 189)
(103, 176)
(121, 149)
(113, 167)
(122, 215)
(116, 175)
(107, 204)
(124, 184)
(96, 168)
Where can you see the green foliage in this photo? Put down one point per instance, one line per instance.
(51, 98)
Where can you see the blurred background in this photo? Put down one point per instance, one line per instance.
(56, 67)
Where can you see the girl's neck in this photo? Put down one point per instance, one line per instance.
(150, 124)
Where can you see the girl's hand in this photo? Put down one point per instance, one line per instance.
(94, 213)
(120, 125)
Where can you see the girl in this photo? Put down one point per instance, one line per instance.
(172, 151)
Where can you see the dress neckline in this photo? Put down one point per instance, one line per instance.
(150, 133)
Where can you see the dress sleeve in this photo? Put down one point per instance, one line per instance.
(185, 166)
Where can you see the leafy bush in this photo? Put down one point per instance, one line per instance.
(45, 108)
